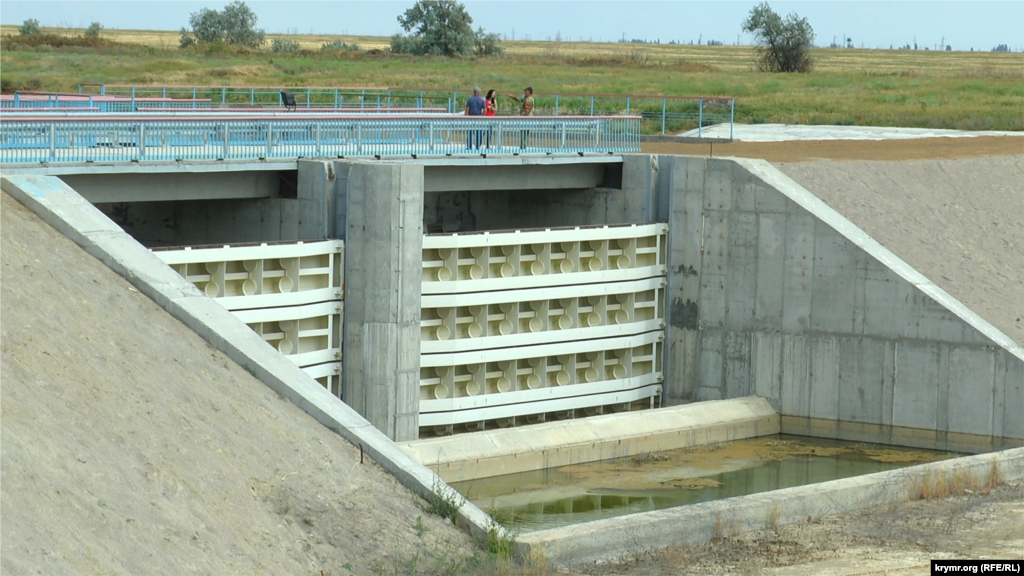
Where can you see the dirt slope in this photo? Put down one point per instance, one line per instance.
(130, 446)
(959, 222)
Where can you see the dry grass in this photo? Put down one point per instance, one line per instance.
(963, 90)
(942, 485)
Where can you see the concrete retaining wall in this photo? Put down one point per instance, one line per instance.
(59, 206)
(511, 450)
(260, 217)
(774, 294)
(702, 522)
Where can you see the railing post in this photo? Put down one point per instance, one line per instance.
(336, 98)
(591, 105)
(17, 100)
(430, 135)
(165, 92)
(270, 139)
(556, 104)
(700, 117)
(309, 94)
(420, 105)
(103, 89)
(79, 88)
(193, 96)
(664, 106)
(627, 105)
(252, 97)
(53, 140)
(133, 97)
(497, 138)
(223, 96)
(226, 144)
(362, 100)
(455, 103)
(732, 116)
(280, 99)
(389, 98)
(142, 141)
(378, 101)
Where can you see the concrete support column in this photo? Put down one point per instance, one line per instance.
(681, 205)
(383, 270)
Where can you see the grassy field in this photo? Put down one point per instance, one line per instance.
(972, 91)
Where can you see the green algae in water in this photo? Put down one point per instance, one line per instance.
(573, 494)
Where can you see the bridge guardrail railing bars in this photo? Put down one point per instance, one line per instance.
(138, 137)
(660, 113)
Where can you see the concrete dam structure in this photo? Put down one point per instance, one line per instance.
(722, 277)
(446, 299)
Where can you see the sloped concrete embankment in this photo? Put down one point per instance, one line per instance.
(67, 212)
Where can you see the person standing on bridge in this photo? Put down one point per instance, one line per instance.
(491, 110)
(475, 106)
(525, 109)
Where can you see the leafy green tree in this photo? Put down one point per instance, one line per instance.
(443, 28)
(780, 45)
(30, 27)
(94, 29)
(239, 25)
(236, 24)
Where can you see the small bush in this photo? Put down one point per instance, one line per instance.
(339, 46)
(29, 28)
(279, 45)
(94, 29)
(56, 41)
(444, 501)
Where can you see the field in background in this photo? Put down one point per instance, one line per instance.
(963, 90)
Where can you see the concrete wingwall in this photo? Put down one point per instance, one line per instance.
(774, 294)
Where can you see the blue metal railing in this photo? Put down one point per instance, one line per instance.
(136, 138)
(660, 114)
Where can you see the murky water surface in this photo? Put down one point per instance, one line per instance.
(544, 499)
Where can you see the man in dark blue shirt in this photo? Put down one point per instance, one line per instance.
(475, 106)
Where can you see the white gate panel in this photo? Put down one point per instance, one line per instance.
(520, 326)
(555, 257)
(291, 294)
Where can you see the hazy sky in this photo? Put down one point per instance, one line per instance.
(963, 25)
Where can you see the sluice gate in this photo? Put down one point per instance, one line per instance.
(537, 324)
(290, 293)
